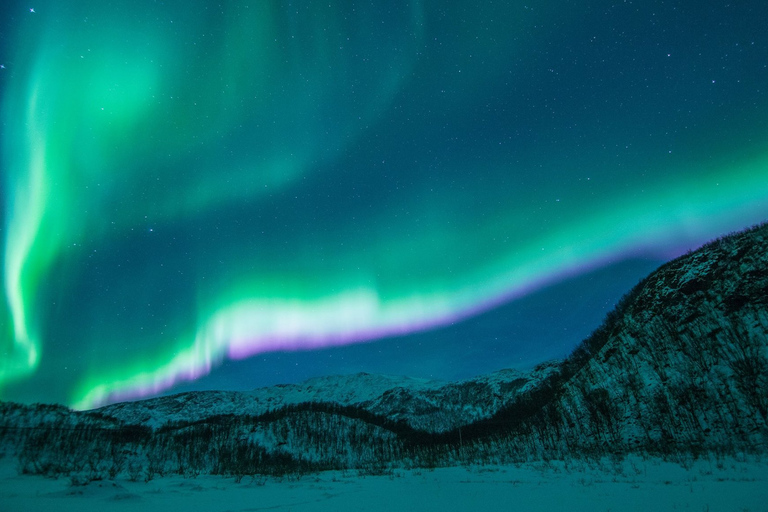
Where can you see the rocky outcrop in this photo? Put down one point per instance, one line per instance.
(680, 364)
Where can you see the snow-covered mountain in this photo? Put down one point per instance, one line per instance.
(680, 366)
(424, 404)
(449, 406)
(192, 406)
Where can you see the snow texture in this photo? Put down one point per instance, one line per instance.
(630, 485)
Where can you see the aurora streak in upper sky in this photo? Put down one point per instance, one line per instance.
(186, 183)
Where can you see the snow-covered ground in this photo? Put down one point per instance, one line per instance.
(630, 485)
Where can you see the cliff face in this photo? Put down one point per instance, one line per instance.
(682, 362)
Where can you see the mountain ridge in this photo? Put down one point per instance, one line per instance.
(679, 366)
(412, 400)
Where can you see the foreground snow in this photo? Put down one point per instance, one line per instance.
(630, 485)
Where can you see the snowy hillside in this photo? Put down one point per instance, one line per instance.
(679, 368)
(680, 364)
(428, 405)
(342, 389)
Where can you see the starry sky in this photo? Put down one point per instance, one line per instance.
(231, 194)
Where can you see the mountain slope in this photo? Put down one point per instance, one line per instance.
(193, 406)
(428, 405)
(680, 366)
(681, 363)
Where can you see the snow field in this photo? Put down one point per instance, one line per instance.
(632, 484)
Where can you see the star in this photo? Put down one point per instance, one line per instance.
(2, 66)
(32, 9)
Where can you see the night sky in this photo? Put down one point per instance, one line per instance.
(231, 194)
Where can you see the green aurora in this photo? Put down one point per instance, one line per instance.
(190, 182)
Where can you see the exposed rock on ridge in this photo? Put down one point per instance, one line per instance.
(681, 363)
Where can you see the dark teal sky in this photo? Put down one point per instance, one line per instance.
(233, 194)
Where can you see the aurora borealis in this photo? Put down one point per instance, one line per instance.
(193, 186)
